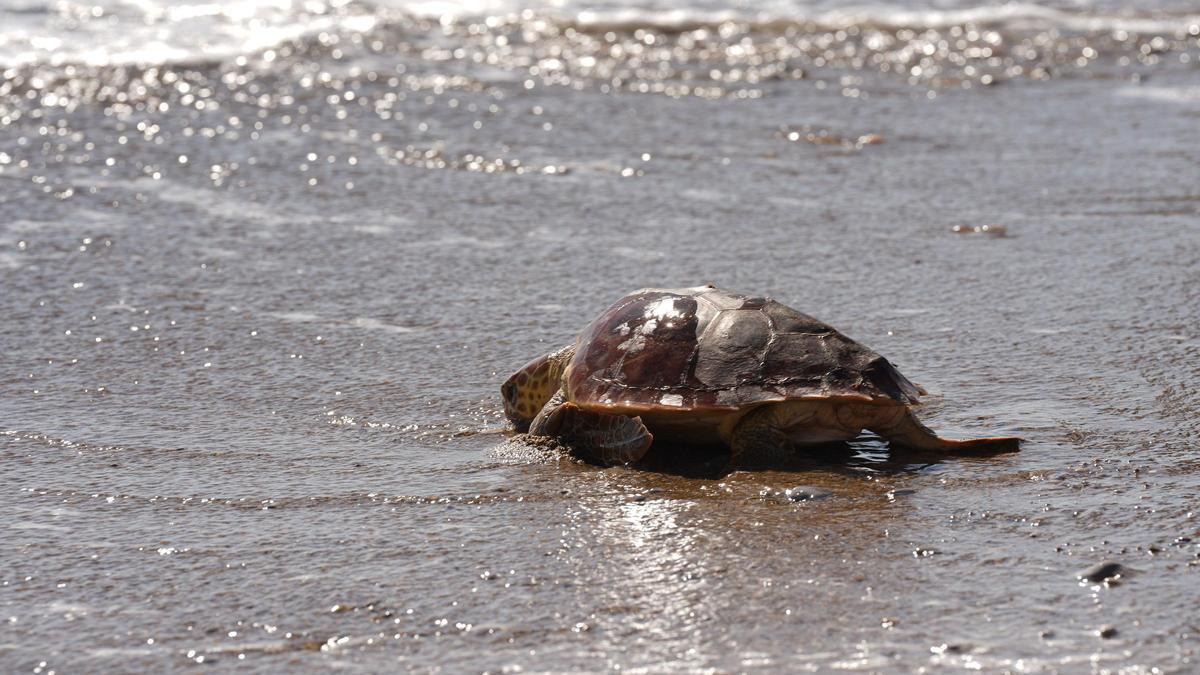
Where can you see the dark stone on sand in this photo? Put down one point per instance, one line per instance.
(804, 493)
(949, 648)
(1102, 572)
(1107, 632)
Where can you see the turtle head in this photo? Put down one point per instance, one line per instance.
(528, 389)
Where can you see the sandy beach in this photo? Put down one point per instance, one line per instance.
(260, 292)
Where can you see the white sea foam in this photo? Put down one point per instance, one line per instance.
(108, 32)
(363, 322)
(780, 14)
(213, 202)
(1181, 94)
(375, 324)
(27, 525)
(295, 317)
(112, 32)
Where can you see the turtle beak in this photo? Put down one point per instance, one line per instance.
(508, 393)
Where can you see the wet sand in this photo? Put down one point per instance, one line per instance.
(252, 349)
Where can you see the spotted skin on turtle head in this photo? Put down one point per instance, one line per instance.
(528, 389)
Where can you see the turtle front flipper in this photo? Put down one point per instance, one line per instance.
(596, 436)
(901, 427)
(759, 437)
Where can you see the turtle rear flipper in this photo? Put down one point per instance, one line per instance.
(596, 436)
(906, 430)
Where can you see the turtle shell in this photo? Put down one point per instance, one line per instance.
(706, 348)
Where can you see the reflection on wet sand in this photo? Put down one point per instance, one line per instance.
(667, 563)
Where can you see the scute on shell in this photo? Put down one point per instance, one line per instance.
(701, 348)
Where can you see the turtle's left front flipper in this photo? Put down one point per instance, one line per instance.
(601, 437)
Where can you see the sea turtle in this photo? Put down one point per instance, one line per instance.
(706, 366)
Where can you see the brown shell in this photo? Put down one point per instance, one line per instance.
(705, 348)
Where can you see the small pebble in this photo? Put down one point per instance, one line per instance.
(1107, 632)
(947, 648)
(992, 230)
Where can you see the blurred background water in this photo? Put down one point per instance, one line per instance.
(264, 265)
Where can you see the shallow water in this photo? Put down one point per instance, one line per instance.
(258, 311)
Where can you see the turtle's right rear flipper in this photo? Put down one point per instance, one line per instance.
(602, 437)
(980, 446)
(906, 430)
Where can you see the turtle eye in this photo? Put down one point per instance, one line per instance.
(509, 391)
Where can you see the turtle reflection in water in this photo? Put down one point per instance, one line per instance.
(706, 366)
